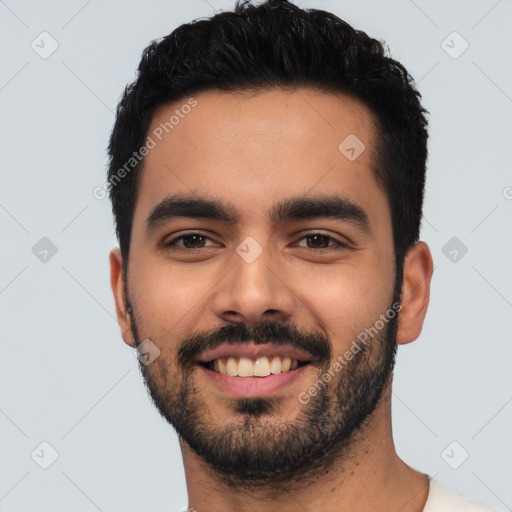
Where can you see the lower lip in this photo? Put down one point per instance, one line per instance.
(244, 387)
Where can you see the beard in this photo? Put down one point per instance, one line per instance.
(257, 447)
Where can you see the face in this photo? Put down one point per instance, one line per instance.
(260, 248)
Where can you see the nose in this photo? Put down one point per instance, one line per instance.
(253, 292)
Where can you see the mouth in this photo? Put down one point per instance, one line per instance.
(262, 366)
(249, 370)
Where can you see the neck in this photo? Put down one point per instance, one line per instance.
(369, 475)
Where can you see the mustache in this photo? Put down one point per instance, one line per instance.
(312, 342)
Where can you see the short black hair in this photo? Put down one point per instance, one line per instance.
(278, 45)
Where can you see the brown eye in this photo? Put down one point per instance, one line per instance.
(193, 241)
(320, 241)
(188, 241)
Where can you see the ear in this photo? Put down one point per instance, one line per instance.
(418, 269)
(119, 290)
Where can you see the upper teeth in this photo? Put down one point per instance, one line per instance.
(260, 367)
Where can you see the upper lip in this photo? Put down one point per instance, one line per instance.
(251, 350)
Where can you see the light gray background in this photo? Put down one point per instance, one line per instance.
(66, 376)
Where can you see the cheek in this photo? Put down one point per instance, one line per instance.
(167, 298)
(344, 299)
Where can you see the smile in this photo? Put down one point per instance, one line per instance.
(250, 370)
(253, 367)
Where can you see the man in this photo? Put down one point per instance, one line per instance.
(267, 176)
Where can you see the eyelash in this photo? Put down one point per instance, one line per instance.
(337, 244)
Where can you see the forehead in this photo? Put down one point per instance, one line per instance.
(257, 147)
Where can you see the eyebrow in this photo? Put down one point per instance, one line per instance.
(295, 208)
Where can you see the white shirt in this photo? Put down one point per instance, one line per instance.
(442, 499)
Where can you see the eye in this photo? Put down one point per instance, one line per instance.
(194, 241)
(320, 241)
(188, 241)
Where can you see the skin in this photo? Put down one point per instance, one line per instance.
(253, 151)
